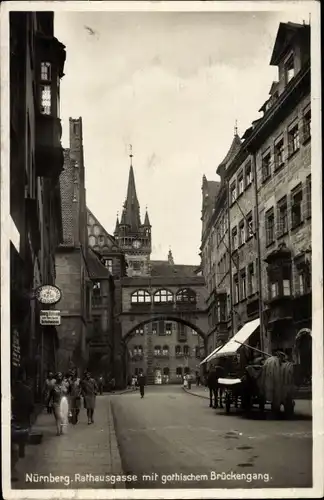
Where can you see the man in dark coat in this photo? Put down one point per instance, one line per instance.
(141, 384)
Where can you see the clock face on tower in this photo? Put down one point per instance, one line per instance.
(137, 244)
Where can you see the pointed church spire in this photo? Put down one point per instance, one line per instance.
(132, 209)
(146, 220)
(117, 225)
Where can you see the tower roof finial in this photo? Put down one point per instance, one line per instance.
(235, 128)
(131, 154)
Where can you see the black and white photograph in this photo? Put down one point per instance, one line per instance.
(161, 250)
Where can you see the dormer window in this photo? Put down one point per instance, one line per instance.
(289, 69)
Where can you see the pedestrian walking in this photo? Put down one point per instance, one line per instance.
(48, 385)
(89, 391)
(100, 384)
(141, 384)
(75, 397)
(59, 399)
(197, 379)
(112, 384)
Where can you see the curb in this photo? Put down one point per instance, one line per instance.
(194, 394)
(116, 463)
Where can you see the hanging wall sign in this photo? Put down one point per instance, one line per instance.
(48, 294)
(50, 318)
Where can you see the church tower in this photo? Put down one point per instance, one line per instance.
(133, 237)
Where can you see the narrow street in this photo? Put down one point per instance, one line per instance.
(170, 431)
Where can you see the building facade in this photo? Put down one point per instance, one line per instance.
(36, 161)
(267, 197)
(71, 258)
(108, 336)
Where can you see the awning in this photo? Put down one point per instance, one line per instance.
(239, 338)
(210, 355)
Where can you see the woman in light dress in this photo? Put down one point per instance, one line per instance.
(59, 399)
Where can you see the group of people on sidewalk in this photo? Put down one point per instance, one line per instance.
(63, 395)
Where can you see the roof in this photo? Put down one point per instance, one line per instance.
(232, 152)
(95, 268)
(164, 268)
(103, 231)
(285, 34)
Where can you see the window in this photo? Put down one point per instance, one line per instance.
(135, 350)
(286, 287)
(233, 192)
(307, 125)
(178, 350)
(108, 263)
(187, 370)
(266, 166)
(234, 238)
(303, 275)
(274, 290)
(249, 225)
(45, 100)
(139, 331)
(282, 222)
(140, 350)
(168, 328)
(179, 371)
(157, 350)
(186, 295)
(163, 296)
(269, 226)
(96, 287)
(248, 174)
(289, 69)
(293, 140)
(165, 350)
(243, 285)
(136, 265)
(241, 233)
(136, 371)
(194, 332)
(279, 153)
(45, 72)
(250, 279)
(308, 190)
(296, 206)
(140, 297)
(166, 371)
(154, 328)
(236, 288)
(240, 186)
(197, 351)
(186, 350)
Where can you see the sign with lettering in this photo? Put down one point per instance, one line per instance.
(50, 318)
(48, 294)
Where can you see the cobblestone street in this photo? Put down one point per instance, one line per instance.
(170, 432)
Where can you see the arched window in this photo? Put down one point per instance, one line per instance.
(165, 350)
(163, 296)
(186, 295)
(140, 349)
(179, 371)
(186, 350)
(141, 297)
(157, 350)
(178, 350)
(187, 370)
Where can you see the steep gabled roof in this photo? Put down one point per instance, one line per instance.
(103, 231)
(232, 152)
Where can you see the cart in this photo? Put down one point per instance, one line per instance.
(232, 391)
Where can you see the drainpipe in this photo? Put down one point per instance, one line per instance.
(263, 342)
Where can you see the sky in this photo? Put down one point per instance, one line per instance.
(171, 84)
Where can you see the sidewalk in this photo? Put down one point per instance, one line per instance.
(74, 459)
(302, 406)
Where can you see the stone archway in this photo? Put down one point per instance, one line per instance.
(181, 354)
